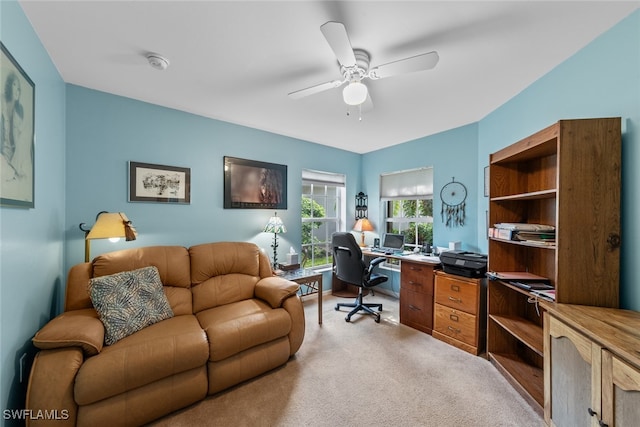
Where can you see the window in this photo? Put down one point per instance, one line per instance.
(413, 218)
(408, 198)
(323, 213)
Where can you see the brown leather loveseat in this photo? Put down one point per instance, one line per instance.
(233, 320)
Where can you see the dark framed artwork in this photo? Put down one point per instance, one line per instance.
(250, 184)
(486, 181)
(159, 183)
(17, 134)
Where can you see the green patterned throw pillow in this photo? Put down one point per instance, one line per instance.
(129, 301)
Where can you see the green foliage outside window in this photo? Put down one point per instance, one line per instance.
(312, 209)
(415, 232)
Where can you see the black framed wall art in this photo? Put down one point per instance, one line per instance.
(250, 184)
(159, 183)
(17, 134)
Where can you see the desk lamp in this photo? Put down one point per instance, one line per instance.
(276, 227)
(362, 225)
(109, 225)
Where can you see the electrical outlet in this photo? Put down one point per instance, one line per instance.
(23, 360)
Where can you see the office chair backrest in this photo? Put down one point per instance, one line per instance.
(350, 266)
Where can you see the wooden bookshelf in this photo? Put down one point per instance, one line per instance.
(523, 330)
(568, 176)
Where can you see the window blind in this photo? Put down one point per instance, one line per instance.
(323, 178)
(411, 184)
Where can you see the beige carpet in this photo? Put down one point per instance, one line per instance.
(367, 374)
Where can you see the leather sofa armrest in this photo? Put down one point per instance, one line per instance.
(51, 383)
(274, 290)
(75, 328)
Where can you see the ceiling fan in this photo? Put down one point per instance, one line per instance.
(354, 66)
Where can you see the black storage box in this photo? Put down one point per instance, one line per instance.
(461, 263)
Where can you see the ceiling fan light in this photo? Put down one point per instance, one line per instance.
(355, 93)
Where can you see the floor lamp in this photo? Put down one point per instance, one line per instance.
(109, 225)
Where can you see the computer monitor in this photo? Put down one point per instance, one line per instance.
(393, 242)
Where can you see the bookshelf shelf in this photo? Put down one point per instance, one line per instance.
(529, 182)
(534, 195)
(525, 331)
(524, 243)
(524, 377)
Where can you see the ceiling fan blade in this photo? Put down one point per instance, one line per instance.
(315, 89)
(425, 61)
(338, 39)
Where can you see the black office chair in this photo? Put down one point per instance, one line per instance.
(351, 268)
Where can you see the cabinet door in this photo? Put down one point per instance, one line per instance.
(573, 372)
(620, 392)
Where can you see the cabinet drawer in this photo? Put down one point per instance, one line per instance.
(457, 294)
(455, 324)
(416, 277)
(416, 310)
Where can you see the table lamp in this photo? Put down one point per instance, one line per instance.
(276, 227)
(109, 225)
(362, 225)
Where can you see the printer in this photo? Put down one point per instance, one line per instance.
(462, 263)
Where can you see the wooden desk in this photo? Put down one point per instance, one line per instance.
(312, 280)
(416, 288)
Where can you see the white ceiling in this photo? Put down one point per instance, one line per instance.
(237, 60)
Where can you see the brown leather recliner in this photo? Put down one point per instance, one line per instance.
(233, 320)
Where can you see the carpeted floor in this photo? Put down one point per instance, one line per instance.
(367, 374)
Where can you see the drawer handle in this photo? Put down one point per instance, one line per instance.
(454, 317)
(595, 414)
(411, 282)
(415, 269)
(455, 288)
(414, 308)
(455, 299)
(452, 329)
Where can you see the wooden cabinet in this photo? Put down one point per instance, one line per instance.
(592, 367)
(416, 295)
(567, 176)
(459, 312)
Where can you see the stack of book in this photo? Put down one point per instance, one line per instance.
(539, 234)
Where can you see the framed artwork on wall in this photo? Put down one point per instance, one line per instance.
(486, 181)
(17, 134)
(159, 183)
(250, 184)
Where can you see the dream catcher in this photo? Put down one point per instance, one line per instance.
(453, 196)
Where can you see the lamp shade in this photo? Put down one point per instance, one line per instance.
(275, 225)
(355, 93)
(112, 224)
(363, 224)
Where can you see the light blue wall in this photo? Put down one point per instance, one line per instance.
(105, 131)
(31, 244)
(601, 80)
(453, 153)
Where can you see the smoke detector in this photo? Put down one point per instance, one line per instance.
(158, 62)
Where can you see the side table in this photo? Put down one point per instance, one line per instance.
(312, 280)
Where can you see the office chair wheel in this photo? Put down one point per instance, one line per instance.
(377, 319)
(336, 308)
(347, 319)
